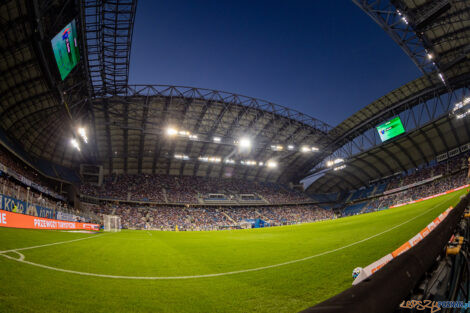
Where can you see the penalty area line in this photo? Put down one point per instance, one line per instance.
(22, 260)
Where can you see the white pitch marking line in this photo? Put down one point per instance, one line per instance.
(50, 244)
(21, 255)
(206, 275)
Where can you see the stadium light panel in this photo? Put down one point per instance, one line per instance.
(181, 157)
(248, 162)
(193, 137)
(460, 110)
(75, 144)
(229, 161)
(334, 162)
(82, 133)
(314, 149)
(260, 163)
(271, 164)
(442, 77)
(305, 149)
(290, 147)
(244, 143)
(339, 167)
(214, 159)
(217, 139)
(171, 131)
(430, 56)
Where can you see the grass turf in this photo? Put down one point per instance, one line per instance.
(288, 288)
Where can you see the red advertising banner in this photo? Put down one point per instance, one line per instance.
(16, 220)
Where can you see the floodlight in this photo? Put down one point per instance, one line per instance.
(229, 161)
(217, 139)
(214, 159)
(314, 149)
(442, 77)
(171, 131)
(181, 157)
(430, 56)
(271, 164)
(290, 147)
(245, 143)
(75, 144)
(461, 108)
(305, 149)
(335, 161)
(248, 162)
(193, 137)
(82, 133)
(339, 167)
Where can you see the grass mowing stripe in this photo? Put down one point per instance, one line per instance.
(2, 253)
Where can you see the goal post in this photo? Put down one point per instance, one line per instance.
(112, 223)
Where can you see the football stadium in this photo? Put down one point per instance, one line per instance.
(125, 197)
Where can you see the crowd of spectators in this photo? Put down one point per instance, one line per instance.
(281, 215)
(449, 175)
(443, 168)
(165, 217)
(13, 163)
(186, 189)
(422, 191)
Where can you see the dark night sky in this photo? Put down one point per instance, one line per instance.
(327, 59)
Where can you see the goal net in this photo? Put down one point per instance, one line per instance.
(403, 201)
(112, 223)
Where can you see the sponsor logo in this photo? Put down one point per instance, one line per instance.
(421, 305)
(433, 306)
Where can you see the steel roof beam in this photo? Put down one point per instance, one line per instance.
(405, 152)
(159, 142)
(143, 125)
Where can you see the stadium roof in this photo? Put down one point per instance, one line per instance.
(131, 133)
(126, 124)
(442, 30)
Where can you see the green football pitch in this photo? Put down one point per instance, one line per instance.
(279, 269)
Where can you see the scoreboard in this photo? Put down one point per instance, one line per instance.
(390, 129)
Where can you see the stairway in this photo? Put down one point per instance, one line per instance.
(164, 195)
(229, 218)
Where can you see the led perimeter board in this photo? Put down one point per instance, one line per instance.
(65, 48)
(390, 129)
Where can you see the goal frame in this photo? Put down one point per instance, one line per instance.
(112, 223)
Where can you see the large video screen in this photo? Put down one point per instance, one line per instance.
(391, 129)
(65, 47)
